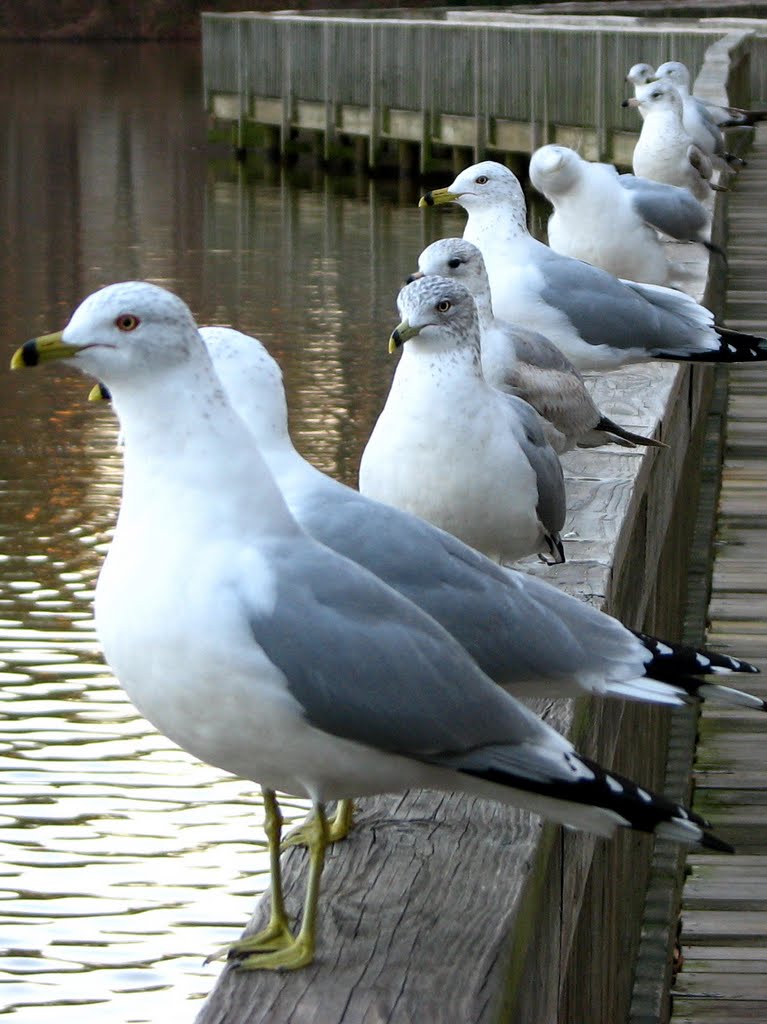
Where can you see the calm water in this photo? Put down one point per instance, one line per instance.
(122, 861)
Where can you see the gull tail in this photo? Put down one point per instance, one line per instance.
(735, 161)
(743, 118)
(734, 347)
(577, 792)
(625, 438)
(682, 667)
(556, 549)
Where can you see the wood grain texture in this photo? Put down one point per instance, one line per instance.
(724, 910)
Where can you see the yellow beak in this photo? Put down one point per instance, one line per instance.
(438, 197)
(401, 333)
(42, 350)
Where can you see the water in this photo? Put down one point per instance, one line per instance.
(123, 861)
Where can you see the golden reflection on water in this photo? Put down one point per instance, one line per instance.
(123, 862)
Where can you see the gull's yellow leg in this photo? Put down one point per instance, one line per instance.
(277, 933)
(301, 951)
(338, 829)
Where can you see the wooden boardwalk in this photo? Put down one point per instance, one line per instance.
(724, 910)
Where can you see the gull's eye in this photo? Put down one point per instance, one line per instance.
(454, 262)
(127, 322)
(481, 180)
(655, 95)
(444, 305)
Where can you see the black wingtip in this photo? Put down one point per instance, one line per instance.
(734, 347)
(711, 842)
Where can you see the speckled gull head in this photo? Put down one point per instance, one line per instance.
(640, 74)
(555, 169)
(657, 96)
(439, 314)
(676, 72)
(480, 187)
(121, 334)
(457, 259)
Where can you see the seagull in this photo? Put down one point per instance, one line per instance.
(725, 117)
(525, 363)
(640, 74)
(665, 150)
(263, 652)
(527, 635)
(598, 321)
(699, 123)
(609, 220)
(454, 450)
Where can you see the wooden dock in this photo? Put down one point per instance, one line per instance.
(724, 910)
(408, 84)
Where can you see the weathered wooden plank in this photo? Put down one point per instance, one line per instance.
(722, 986)
(689, 1010)
(719, 927)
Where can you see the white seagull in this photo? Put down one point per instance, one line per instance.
(263, 652)
(598, 321)
(524, 633)
(610, 220)
(699, 122)
(454, 450)
(525, 363)
(665, 150)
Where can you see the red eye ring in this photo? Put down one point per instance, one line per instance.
(127, 322)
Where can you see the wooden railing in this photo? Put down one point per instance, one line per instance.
(484, 85)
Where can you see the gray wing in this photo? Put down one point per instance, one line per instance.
(669, 208)
(518, 629)
(536, 349)
(551, 506)
(709, 123)
(365, 664)
(607, 311)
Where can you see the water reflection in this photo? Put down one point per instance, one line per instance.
(124, 861)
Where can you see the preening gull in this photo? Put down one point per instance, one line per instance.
(598, 321)
(525, 363)
(454, 450)
(594, 218)
(263, 652)
(665, 150)
(610, 220)
(524, 633)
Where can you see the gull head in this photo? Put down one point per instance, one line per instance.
(122, 332)
(554, 169)
(457, 259)
(439, 312)
(252, 381)
(658, 96)
(640, 74)
(676, 72)
(481, 186)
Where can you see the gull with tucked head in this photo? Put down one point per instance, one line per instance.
(609, 220)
